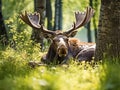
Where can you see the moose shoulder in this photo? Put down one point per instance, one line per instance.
(63, 46)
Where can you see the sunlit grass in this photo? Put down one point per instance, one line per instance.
(15, 74)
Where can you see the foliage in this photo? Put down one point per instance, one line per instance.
(15, 74)
(69, 7)
(11, 10)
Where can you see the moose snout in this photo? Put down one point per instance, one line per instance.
(62, 51)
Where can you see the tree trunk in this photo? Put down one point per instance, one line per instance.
(49, 14)
(94, 18)
(3, 32)
(40, 7)
(89, 32)
(108, 40)
(95, 27)
(89, 26)
(58, 15)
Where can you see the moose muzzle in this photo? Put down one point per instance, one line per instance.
(62, 51)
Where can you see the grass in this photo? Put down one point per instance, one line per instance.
(15, 74)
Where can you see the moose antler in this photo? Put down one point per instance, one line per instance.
(33, 21)
(81, 19)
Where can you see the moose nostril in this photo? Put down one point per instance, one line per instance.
(63, 51)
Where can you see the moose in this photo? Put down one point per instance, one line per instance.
(63, 46)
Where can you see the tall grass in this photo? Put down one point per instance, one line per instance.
(15, 74)
(110, 76)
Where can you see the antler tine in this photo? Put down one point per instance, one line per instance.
(81, 19)
(33, 21)
(25, 18)
(89, 15)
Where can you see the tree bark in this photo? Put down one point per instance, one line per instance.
(94, 18)
(58, 15)
(89, 32)
(40, 7)
(89, 26)
(49, 14)
(108, 40)
(3, 32)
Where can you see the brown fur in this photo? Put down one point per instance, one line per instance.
(76, 49)
(76, 46)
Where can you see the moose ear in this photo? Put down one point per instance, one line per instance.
(72, 34)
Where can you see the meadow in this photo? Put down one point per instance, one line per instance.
(16, 74)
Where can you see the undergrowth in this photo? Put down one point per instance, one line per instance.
(15, 74)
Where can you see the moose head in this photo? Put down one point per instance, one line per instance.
(60, 46)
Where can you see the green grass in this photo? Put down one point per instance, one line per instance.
(15, 74)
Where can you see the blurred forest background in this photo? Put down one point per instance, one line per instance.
(14, 26)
